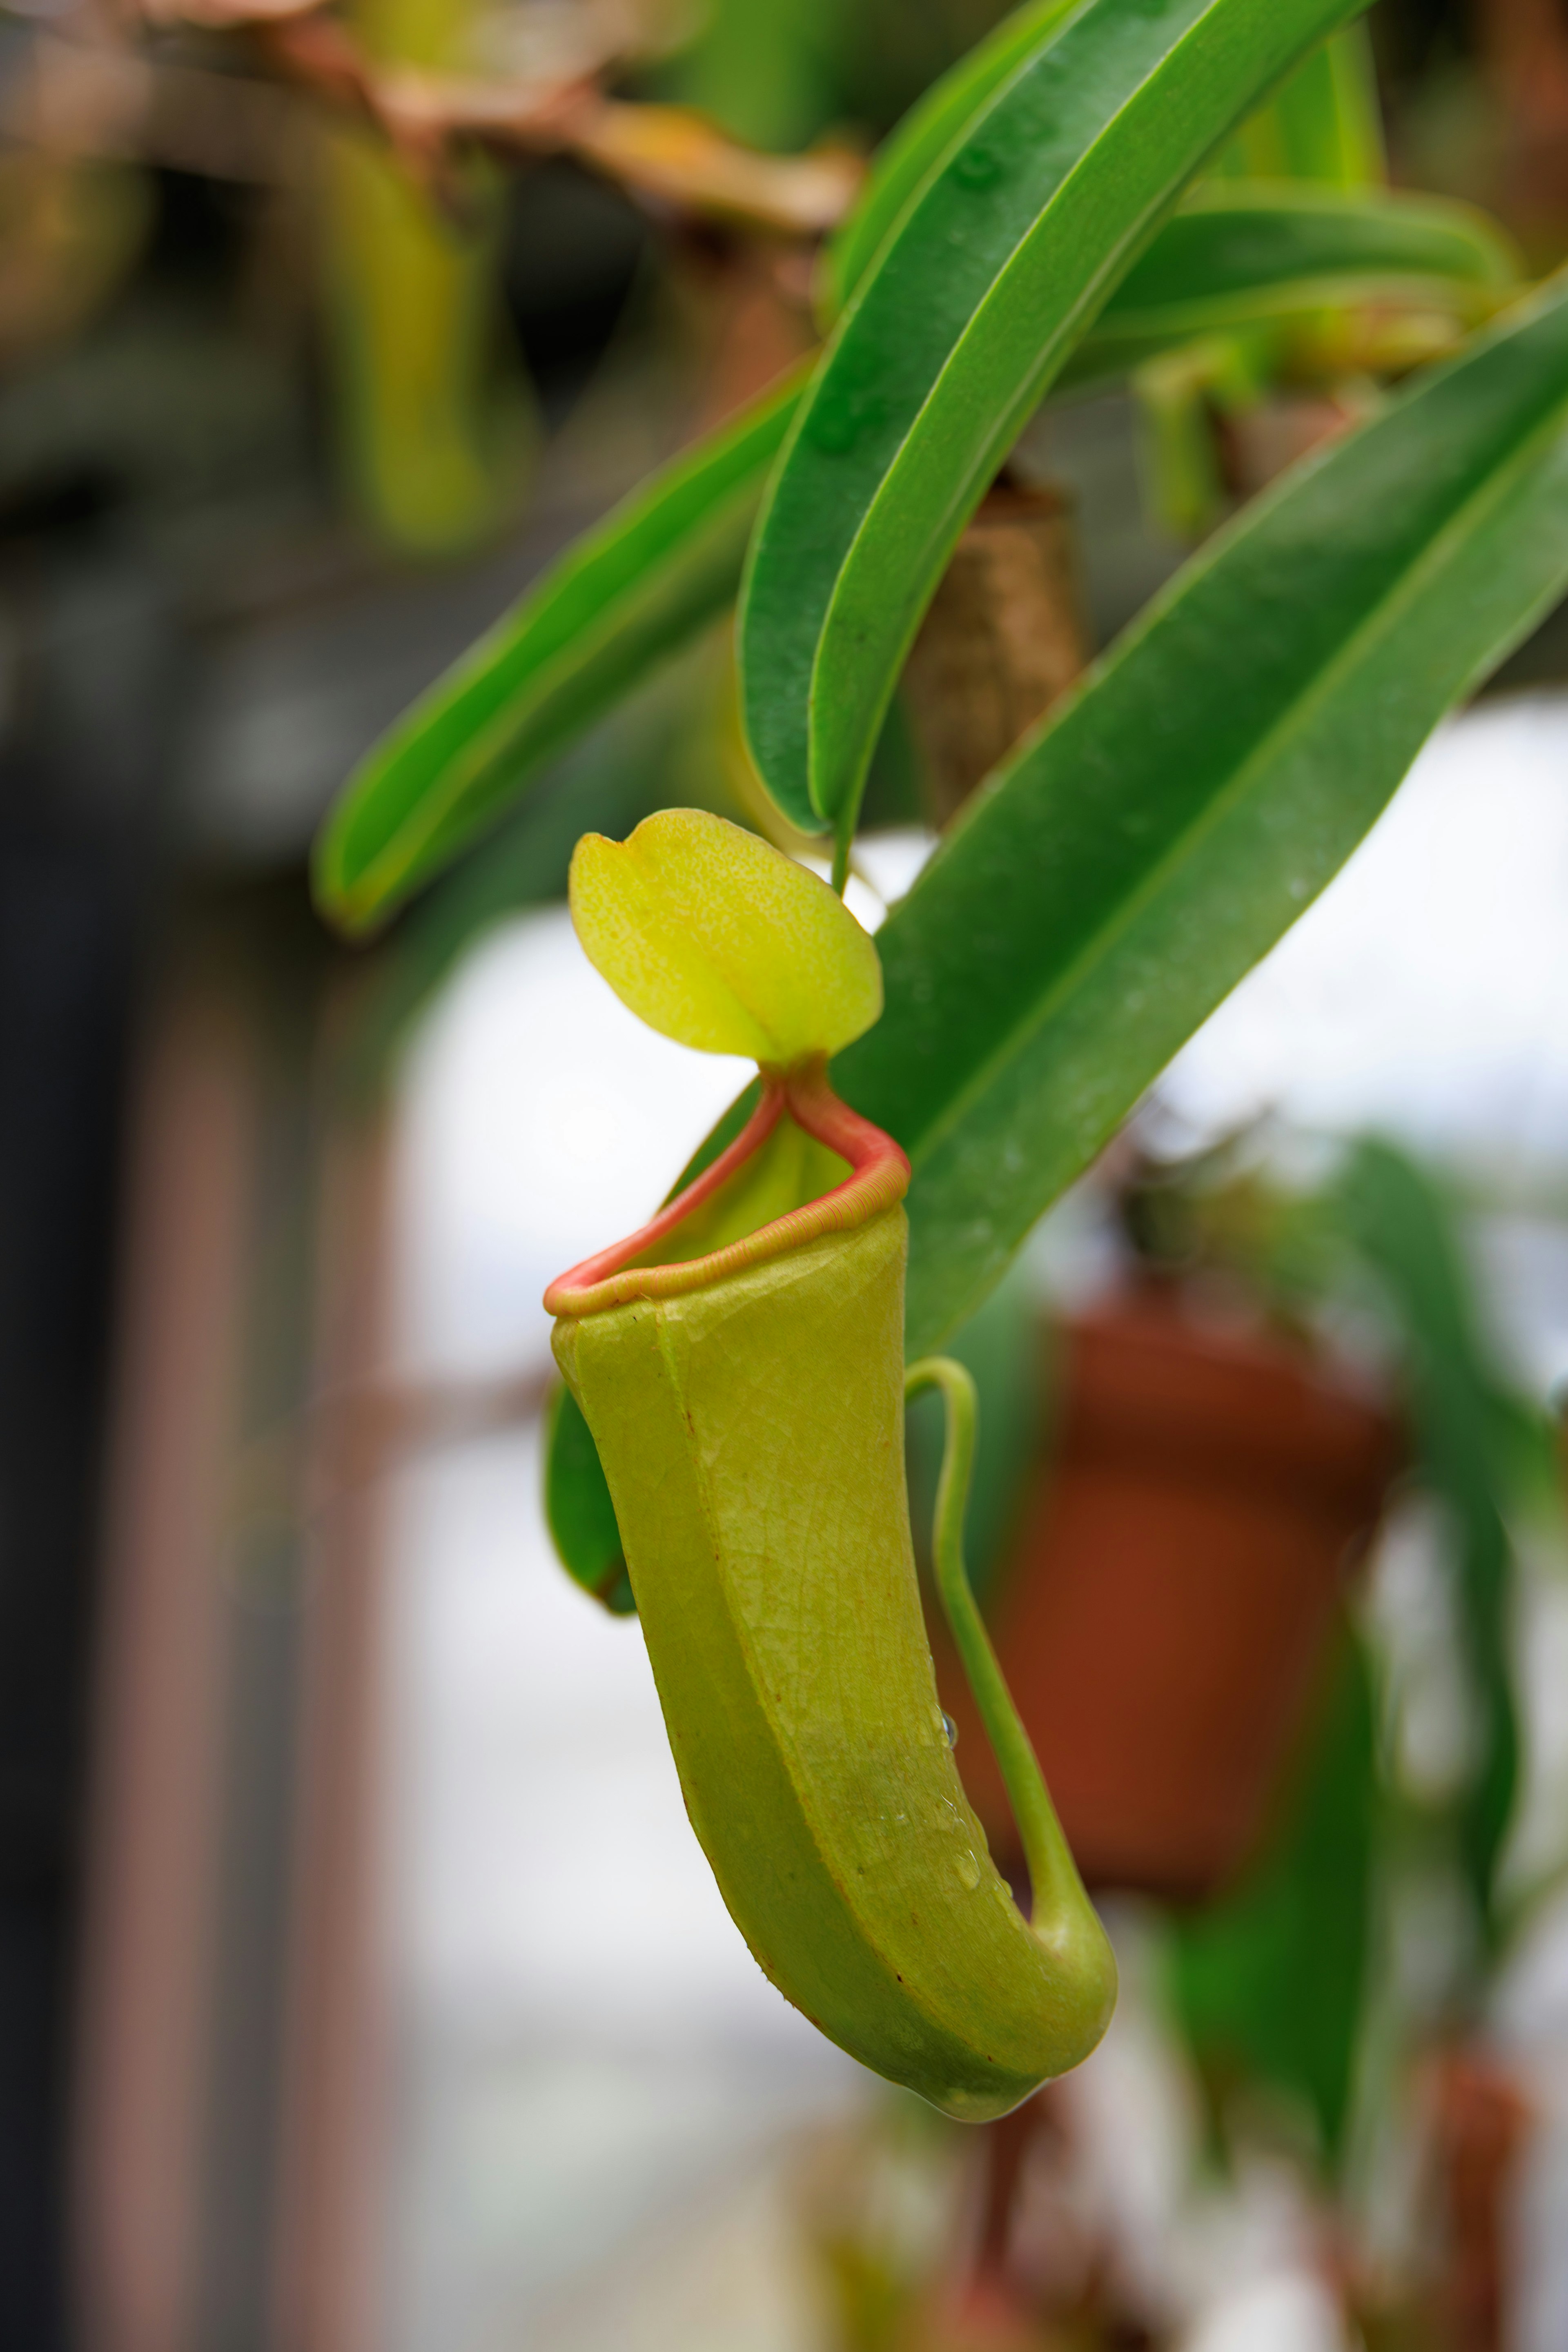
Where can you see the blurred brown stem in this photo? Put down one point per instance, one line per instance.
(1481, 2123)
(1526, 42)
(1004, 639)
(660, 153)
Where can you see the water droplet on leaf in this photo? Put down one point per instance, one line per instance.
(978, 167)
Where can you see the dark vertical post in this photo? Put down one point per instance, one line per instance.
(83, 729)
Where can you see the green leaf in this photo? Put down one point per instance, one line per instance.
(1331, 122)
(1404, 1230)
(921, 143)
(1004, 259)
(654, 572)
(1269, 1983)
(439, 444)
(437, 424)
(577, 1506)
(1240, 253)
(1179, 394)
(1140, 854)
(768, 71)
(1325, 124)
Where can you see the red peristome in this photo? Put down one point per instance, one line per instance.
(880, 1177)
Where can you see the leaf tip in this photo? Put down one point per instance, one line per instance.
(340, 901)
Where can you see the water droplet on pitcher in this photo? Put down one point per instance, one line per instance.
(950, 1728)
(969, 1871)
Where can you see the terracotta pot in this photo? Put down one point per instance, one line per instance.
(1481, 2125)
(1164, 1618)
(1455, 2297)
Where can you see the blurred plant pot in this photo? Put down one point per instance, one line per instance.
(1476, 2121)
(1163, 1616)
(1481, 2123)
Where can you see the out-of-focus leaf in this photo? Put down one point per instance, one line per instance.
(1241, 252)
(1180, 393)
(718, 939)
(1005, 256)
(438, 445)
(1268, 1984)
(1325, 124)
(439, 442)
(1140, 854)
(644, 582)
(1401, 1228)
(768, 71)
(1322, 129)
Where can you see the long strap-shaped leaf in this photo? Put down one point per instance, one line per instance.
(996, 269)
(1404, 1230)
(639, 585)
(1141, 852)
(1240, 253)
(1324, 123)
(920, 141)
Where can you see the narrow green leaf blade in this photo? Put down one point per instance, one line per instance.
(1004, 259)
(1146, 848)
(921, 141)
(1241, 252)
(1404, 1230)
(1324, 124)
(1270, 1983)
(628, 593)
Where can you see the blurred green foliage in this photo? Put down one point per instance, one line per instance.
(1268, 1984)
